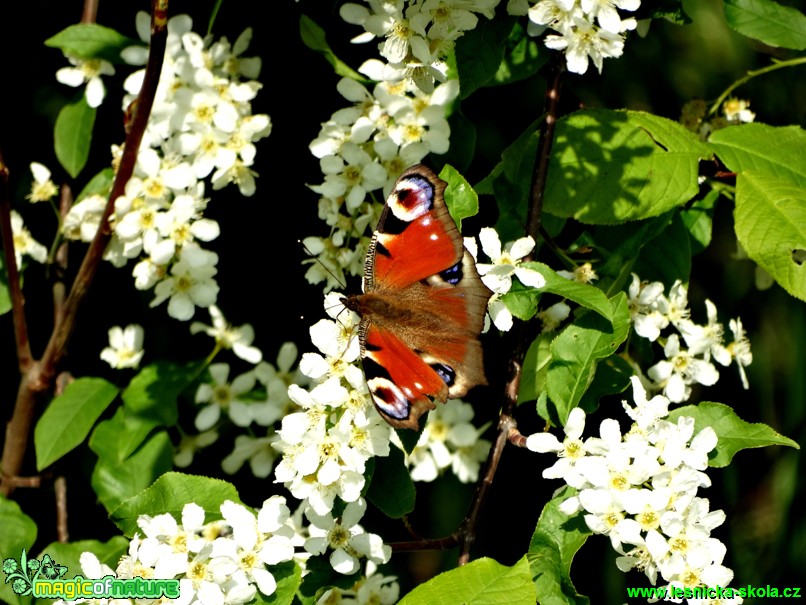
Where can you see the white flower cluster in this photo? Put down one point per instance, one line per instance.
(640, 490)
(224, 561)
(587, 30)
(372, 589)
(364, 148)
(449, 440)
(652, 311)
(257, 397)
(326, 445)
(418, 34)
(201, 127)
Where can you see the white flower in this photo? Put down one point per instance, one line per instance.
(125, 348)
(645, 300)
(738, 111)
(229, 337)
(259, 451)
(89, 71)
(83, 218)
(24, 243)
(221, 395)
(569, 451)
(680, 370)
(582, 41)
(42, 189)
(190, 284)
(740, 349)
(190, 444)
(506, 263)
(346, 538)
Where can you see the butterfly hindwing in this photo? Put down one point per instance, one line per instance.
(423, 304)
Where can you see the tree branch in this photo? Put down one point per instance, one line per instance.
(507, 426)
(40, 375)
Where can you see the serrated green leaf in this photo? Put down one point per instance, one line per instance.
(768, 22)
(69, 417)
(480, 51)
(115, 481)
(169, 494)
(462, 201)
(313, 37)
(611, 167)
(584, 295)
(72, 135)
(522, 57)
(770, 220)
(555, 541)
(5, 295)
(483, 581)
(288, 576)
(577, 350)
(667, 257)
(698, 220)
(392, 489)
(733, 433)
(749, 147)
(19, 532)
(91, 41)
(535, 365)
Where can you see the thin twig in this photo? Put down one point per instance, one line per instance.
(427, 544)
(60, 486)
(507, 426)
(40, 375)
(24, 357)
(752, 74)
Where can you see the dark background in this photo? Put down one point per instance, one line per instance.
(262, 281)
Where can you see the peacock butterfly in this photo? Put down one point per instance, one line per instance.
(423, 304)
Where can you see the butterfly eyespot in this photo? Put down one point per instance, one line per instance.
(389, 398)
(412, 197)
(445, 372)
(453, 275)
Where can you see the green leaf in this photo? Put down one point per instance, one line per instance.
(153, 393)
(68, 554)
(72, 135)
(522, 57)
(313, 37)
(115, 481)
(115, 439)
(69, 417)
(5, 295)
(535, 365)
(169, 494)
(610, 167)
(578, 348)
(480, 51)
(698, 219)
(584, 295)
(100, 184)
(750, 147)
(319, 576)
(461, 199)
(392, 489)
(483, 581)
(288, 576)
(612, 376)
(734, 434)
(91, 41)
(767, 21)
(667, 257)
(770, 219)
(556, 539)
(19, 532)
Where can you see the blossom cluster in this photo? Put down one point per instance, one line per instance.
(418, 35)
(201, 128)
(586, 30)
(652, 311)
(640, 489)
(364, 148)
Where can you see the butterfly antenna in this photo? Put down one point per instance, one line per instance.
(327, 269)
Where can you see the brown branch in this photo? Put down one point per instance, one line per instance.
(40, 375)
(427, 544)
(24, 357)
(507, 426)
(60, 486)
(89, 14)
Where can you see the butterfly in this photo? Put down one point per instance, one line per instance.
(423, 304)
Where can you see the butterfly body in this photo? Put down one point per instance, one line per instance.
(423, 304)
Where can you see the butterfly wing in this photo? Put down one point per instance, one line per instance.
(423, 306)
